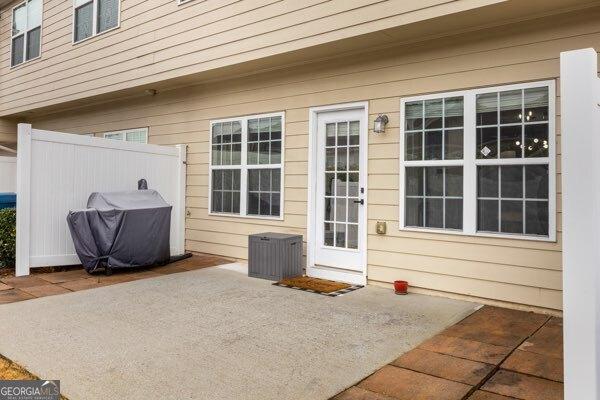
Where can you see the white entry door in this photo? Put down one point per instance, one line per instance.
(339, 202)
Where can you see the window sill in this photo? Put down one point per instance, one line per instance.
(74, 43)
(15, 67)
(255, 217)
(480, 234)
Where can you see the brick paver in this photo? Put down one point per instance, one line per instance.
(45, 290)
(12, 295)
(356, 393)
(535, 364)
(444, 366)
(498, 326)
(23, 281)
(481, 395)
(525, 387)
(4, 286)
(404, 384)
(494, 354)
(465, 348)
(82, 284)
(65, 276)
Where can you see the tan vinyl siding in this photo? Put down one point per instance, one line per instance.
(159, 40)
(510, 270)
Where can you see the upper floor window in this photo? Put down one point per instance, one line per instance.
(26, 32)
(480, 161)
(137, 135)
(92, 17)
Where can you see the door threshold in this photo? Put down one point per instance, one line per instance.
(336, 274)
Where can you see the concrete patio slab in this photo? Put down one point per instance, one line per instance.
(214, 333)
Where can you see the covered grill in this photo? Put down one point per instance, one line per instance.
(122, 230)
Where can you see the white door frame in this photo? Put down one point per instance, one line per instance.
(323, 272)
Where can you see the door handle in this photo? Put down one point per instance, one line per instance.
(361, 201)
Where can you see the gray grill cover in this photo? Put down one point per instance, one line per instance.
(122, 229)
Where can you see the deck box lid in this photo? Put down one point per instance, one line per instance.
(274, 236)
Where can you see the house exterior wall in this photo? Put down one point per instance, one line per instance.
(159, 40)
(522, 272)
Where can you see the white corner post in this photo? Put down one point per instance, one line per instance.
(180, 204)
(580, 117)
(23, 199)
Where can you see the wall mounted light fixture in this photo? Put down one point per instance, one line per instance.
(380, 123)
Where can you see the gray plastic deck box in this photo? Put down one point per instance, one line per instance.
(274, 256)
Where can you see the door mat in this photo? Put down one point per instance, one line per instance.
(316, 285)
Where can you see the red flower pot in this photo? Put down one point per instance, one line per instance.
(401, 287)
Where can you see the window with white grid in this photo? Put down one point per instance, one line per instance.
(137, 135)
(249, 149)
(26, 32)
(480, 162)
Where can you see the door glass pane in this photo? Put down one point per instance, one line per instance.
(342, 133)
(341, 184)
(353, 184)
(328, 234)
(340, 235)
(352, 236)
(83, 21)
(354, 133)
(330, 159)
(341, 187)
(330, 135)
(108, 14)
(329, 184)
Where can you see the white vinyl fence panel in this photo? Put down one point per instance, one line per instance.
(58, 171)
(580, 116)
(8, 174)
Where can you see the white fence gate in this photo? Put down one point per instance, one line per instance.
(8, 174)
(56, 172)
(580, 99)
